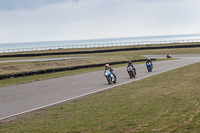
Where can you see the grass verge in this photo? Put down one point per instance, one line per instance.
(168, 102)
(16, 67)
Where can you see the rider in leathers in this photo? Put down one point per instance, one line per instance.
(131, 64)
(149, 61)
(107, 67)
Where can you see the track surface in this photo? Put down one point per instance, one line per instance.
(18, 99)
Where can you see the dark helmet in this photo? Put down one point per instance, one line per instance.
(129, 62)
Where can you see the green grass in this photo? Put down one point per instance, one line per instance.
(168, 102)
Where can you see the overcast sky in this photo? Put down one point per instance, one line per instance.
(54, 20)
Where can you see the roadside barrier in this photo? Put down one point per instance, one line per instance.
(60, 45)
(100, 51)
(23, 74)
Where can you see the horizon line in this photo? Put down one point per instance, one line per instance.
(172, 35)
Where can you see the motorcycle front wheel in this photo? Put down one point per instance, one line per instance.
(109, 81)
(115, 78)
(130, 74)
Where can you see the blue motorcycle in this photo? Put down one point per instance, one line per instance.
(149, 67)
(111, 78)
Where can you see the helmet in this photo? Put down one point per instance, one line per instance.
(129, 62)
(149, 58)
(107, 65)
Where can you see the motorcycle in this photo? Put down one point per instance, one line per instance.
(131, 72)
(169, 56)
(149, 67)
(111, 78)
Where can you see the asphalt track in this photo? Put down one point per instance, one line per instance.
(44, 59)
(19, 99)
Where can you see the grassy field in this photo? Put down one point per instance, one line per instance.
(168, 102)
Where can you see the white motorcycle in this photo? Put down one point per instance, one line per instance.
(111, 78)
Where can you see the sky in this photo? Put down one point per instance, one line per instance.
(57, 20)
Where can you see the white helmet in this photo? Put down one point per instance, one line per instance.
(107, 65)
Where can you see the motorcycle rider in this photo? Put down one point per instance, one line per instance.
(149, 61)
(169, 56)
(107, 67)
(131, 64)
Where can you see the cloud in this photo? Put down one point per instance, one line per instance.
(44, 20)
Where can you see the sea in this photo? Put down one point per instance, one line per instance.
(88, 42)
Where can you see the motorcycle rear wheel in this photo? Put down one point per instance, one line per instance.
(133, 74)
(130, 74)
